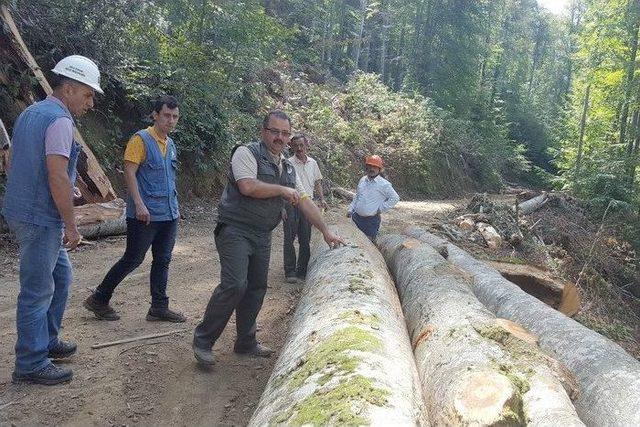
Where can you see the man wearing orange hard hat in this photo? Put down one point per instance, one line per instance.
(374, 195)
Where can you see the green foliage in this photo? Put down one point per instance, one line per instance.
(426, 149)
(207, 55)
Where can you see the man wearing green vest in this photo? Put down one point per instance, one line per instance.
(260, 180)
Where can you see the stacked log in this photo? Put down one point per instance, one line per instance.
(347, 358)
(608, 377)
(475, 369)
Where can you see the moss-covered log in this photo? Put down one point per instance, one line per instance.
(347, 358)
(607, 376)
(474, 368)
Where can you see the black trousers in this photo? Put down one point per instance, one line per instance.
(161, 237)
(244, 267)
(296, 225)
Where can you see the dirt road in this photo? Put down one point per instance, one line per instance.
(157, 383)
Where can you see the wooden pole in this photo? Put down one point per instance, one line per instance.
(94, 184)
(134, 339)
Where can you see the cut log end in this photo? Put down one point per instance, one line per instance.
(486, 398)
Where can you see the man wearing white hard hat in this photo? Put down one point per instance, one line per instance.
(38, 206)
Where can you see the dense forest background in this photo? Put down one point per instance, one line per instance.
(457, 95)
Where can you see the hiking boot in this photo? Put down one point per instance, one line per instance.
(165, 315)
(49, 375)
(258, 350)
(103, 311)
(62, 350)
(204, 356)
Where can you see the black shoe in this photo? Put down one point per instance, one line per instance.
(292, 279)
(204, 356)
(49, 375)
(165, 315)
(101, 310)
(258, 350)
(62, 350)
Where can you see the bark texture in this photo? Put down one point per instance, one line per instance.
(347, 358)
(101, 219)
(475, 369)
(608, 377)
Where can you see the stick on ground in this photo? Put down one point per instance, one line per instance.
(134, 339)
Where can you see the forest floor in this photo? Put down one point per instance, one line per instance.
(158, 382)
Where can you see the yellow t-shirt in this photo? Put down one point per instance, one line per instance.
(135, 152)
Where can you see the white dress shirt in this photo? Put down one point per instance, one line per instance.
(307, 172)
(373, 196)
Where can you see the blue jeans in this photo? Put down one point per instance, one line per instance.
(45, 277)
(369, 225)
(161, 237)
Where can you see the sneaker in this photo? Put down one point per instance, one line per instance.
(101, 310)
(62, 350)
(49, 375)
(204, 356)
(165, 315)
(292, 279)
(258, 350)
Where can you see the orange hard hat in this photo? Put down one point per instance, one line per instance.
(374, 160)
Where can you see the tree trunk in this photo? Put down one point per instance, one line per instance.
(631, 69)
(384, 39)
(399, 67)
(358, 44)
(474, 368)
(608, 377)
(92, 181)
(101, 219)
(583, 123)
(347, 359)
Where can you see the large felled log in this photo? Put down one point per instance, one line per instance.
(532, 205)
(92, 181)
(347, 358)
(475, 370)
(101, 219)
(342, 193)
(609, 378)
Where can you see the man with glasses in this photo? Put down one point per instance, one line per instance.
(260, 179)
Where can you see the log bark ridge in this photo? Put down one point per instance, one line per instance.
(607, 376)
(475, 369)
(347, 358)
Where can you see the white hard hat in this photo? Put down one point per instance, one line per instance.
(81, 69)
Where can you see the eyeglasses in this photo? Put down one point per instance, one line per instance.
(276, 132)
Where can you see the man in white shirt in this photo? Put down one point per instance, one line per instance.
(374, 196)
(294, 222)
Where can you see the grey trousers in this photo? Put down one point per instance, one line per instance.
(244, 267)
(296, 225)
